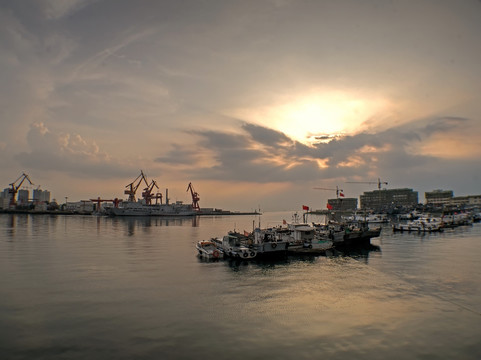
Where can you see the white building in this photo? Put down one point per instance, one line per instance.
(22, 197)
(80, 207)
(41, 195)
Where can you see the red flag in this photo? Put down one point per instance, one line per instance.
(246, 233)
(329, 206)
(284, 222)
(341, 194)
(304, 207)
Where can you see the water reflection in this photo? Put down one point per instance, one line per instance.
(145, 223)
(10, 228)
(359, 252)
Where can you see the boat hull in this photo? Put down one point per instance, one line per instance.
(139, 209)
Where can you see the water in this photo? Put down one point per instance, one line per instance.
(75, 287)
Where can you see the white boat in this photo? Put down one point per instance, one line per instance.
(369, 218)
(423, 224)
(140, 208)
(304, 239)
(269, 241)
(208, 250)
(457, 219)
(234, 246)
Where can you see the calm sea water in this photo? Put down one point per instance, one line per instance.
(75, 287)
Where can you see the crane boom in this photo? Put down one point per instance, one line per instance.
(14, 187)
(147, 193)
(133, 186)
(337, 190)
(195, 197)
(379, 182)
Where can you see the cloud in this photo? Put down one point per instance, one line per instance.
(179, 155)
(69, 153)
(56, 9)
(259, 154)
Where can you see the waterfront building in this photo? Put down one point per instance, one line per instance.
(22, 197)
(41, 195)
(447, 198)
(474, 200)
(465, 201)
(342, 204)
(387, 199)
(5, 197)
(438, 197)
(80, 207)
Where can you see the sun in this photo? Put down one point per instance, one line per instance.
(303, 116)
(316, 115)
(330, 113)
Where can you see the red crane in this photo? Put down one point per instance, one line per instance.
(134, 185)
(99, 201)
(195, 197)
(14, 188)
(148, 196)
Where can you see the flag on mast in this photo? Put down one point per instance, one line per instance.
(304, 207)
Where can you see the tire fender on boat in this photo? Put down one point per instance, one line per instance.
(215, 254)
(245, 254)
(274, 245)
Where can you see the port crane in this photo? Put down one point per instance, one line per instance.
(379, 183)
(195, 197)
(99, 201)
(148, 196)
(339, 192)
(134, 185)
(14, 187)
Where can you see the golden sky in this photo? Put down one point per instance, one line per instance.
(254, 102)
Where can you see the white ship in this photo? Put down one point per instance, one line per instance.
(140, 208)
(146, 207)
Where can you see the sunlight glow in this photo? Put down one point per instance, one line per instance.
(452, 146)
(317, 114)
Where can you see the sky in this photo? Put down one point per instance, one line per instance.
(254, 102)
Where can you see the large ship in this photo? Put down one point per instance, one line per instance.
(146, 207)
(140, 208)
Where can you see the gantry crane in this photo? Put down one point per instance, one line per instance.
(379, 183)
(195, 197)
(99, 201)
(14, 188)
(134, 185)
(148, 196)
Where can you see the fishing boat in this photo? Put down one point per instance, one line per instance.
(368, 218)
(347, 233)
(269, 242)
(208, 250)
(422, 224)
(303, 238)
(234, 246)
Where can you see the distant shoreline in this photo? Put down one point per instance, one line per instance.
(63, 212)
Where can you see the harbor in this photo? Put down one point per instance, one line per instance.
(133, 287)
(152, 202)
(314, 239)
